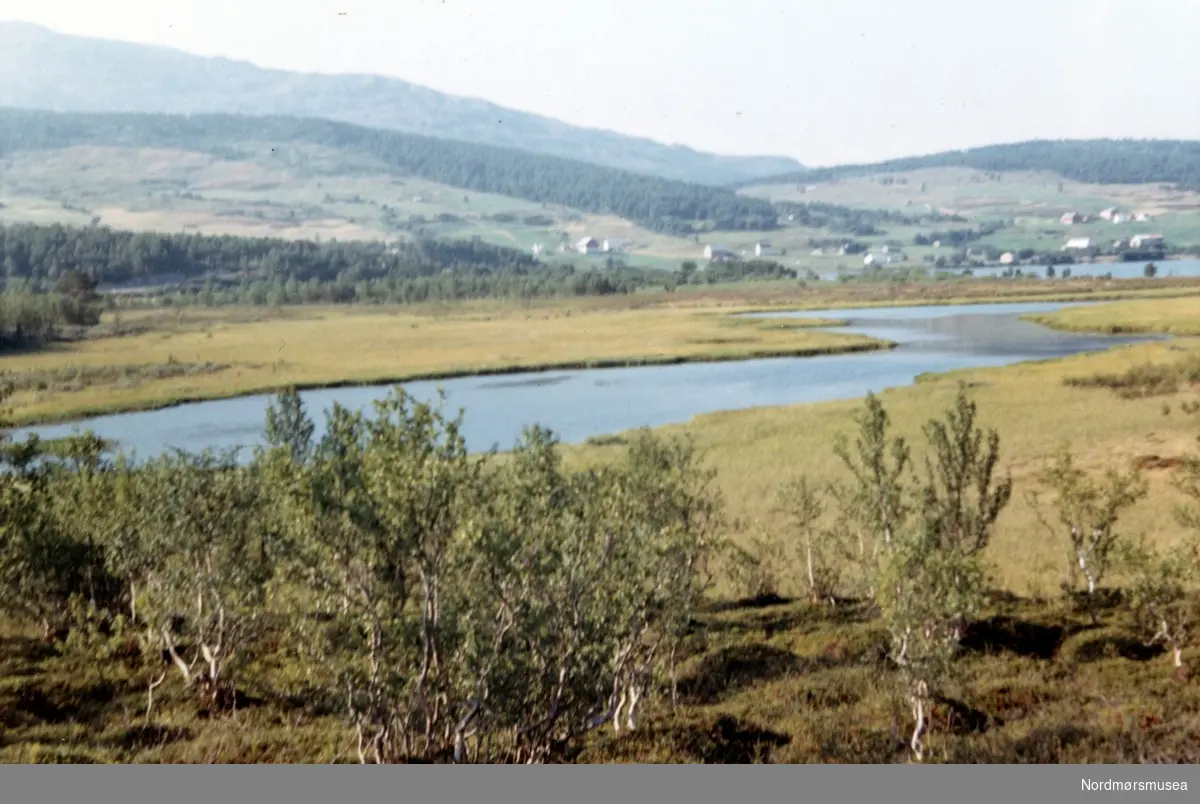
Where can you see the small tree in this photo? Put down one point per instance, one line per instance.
(1159, 593)
(926, 593)
(204, 574)
(1150, 271)
(288, 425)
(44, 568)
(874, 501)
(1089, 512)
(803, 505)
(960, 496)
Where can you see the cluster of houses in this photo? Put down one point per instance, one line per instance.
(1137, 243)
(586, 245)
(1112, 215)
(716, 253)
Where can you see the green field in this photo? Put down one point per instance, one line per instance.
(303, 193)
(313, 192)
(1030, 202)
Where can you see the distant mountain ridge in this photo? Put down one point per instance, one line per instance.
(42, 69)
(1102, 161)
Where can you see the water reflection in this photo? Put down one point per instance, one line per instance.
(579, 404)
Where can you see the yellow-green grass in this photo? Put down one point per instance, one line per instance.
(252, 350)
(755, 452)
(323, 347)
(1179, 316)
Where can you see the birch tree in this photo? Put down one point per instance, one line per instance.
(203, 602)
(961, 495)
(926, 593)
(801, 502)
(1161, 593)
(875, 503)
(1088, 511)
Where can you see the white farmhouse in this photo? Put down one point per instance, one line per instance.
(762, 248)
(1078, 244)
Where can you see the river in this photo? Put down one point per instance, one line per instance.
(583, 403)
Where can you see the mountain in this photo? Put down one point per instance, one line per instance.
(1174, 162)
(42, 69)
(661, 205)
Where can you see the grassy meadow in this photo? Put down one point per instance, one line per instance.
(198, 355)
(1179, 316)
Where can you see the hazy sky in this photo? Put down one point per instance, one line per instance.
(825, 81)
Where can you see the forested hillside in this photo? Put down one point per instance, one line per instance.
(46, 253)
(1100, 161)
(206, 269)
(43, 69)
(658, 204)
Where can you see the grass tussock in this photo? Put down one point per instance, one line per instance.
(1145, 380)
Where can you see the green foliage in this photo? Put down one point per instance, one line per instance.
(1089, 511)
(926, 570)
(874, 505)
(823, 546)
(205, 562)
(223, 270)
(961, 498)
(1160, 592)
(29, 319)
(288, 425)
(927, 594)
(465, 608)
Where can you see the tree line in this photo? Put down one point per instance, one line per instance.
(1174, 162)
(29, 319)
(215, 270)
(478, 608)
(661, 205)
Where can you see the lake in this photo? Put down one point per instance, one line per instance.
(583, 403)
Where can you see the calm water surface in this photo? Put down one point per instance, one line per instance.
(579, 404)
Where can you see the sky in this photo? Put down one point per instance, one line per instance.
(824, 81)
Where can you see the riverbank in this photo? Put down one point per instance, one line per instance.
(161, 358)
(1032, 405)
(203, 357)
